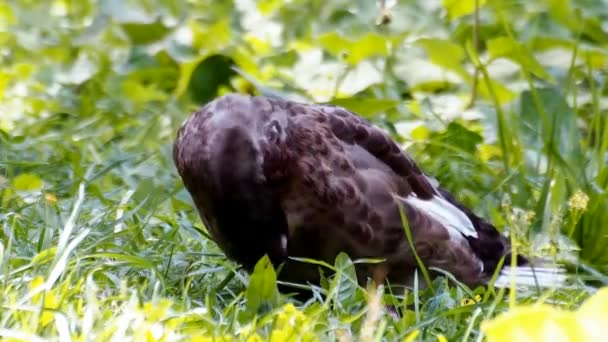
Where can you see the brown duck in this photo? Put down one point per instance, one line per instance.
(288, 179)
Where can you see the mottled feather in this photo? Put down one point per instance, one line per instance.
(264, 171)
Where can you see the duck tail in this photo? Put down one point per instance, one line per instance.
(542, 276)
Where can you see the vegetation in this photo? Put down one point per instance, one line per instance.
(506, 106)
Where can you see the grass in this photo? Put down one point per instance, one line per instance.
(99, 240)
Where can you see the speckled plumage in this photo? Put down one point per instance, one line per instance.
(282, 178)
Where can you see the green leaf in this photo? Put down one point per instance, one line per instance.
(334, 43)
(345, 281)
(139, 33)
(445, 54)
(503, 94)
(139, 93)
(213, 37)
(509, 48)
(571, 17)
(45, 255)
(366, 107)
(459, 8)
(262, 292)
(209, 75)
(355, 51)
(462, 137)
(368, 46)
(203, 77)
(27, 182)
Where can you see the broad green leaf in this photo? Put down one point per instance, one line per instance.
(597, 58)
(368, 46)
(259, 46)
(139, 33)
(213, 38)
(462, 137)
(262, 292)
(445, 54)
(27, 182)
(334, 43)
(487, 152)
(488, 87)
(508, 48)
(502, 93)
(544, 322)
(459, 8)
(185, 73)
(354, 51)
(345, 282)
(140, 93)
(366, 107)
(420, 133)
(571, 17)
(209, 76)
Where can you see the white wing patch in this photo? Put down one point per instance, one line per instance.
(442, 211)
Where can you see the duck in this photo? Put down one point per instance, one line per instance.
(300, 181)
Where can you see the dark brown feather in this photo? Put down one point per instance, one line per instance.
(282, 178)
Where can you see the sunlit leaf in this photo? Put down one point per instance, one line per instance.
(502, 93)
(459, 8)
(334, 43)
(354, 51)
(259, 46)
(45, 256)
(487, 152)
(446, 54)
(137, 92)
(211, 38)
(262, 292)
(462, 137)
(27, 182)
(145, 33)
(541, 322)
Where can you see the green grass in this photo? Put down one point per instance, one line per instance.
(99, 240)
